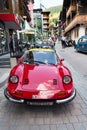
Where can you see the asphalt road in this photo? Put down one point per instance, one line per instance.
(77, 64)
(76, 59)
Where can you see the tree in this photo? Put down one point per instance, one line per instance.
(53, 18)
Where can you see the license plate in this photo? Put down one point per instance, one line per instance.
(40, 103)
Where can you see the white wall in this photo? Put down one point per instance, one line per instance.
(81, 32)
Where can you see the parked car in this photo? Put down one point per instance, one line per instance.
(40, 78)
(81, 45)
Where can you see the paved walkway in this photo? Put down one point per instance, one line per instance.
(4, 72)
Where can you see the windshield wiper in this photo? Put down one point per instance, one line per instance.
(51, 63)
(26, 61)
(41, 62)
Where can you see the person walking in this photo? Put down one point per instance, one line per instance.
(11, 47)
(52, 43)
(63, 41)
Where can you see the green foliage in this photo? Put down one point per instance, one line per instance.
(54, 17)
(55, 9)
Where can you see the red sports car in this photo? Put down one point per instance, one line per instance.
(40, 78)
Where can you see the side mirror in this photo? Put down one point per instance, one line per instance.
(19, 60)
(61, 60)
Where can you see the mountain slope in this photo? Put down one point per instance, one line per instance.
(54, 9)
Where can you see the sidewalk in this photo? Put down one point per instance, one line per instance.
(4, 72)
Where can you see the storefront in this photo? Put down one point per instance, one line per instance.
(3, 40)
(9, 23)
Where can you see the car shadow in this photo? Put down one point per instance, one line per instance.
(34, 110)
(85, 53)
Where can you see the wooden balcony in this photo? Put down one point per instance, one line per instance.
(45, 17)
(46, 26)
(79, 19)
(71, 8)
(12, 7)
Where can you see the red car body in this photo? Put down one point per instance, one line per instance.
(40, 83)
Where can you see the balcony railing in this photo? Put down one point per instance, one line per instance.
(79, 19)
(71, 8)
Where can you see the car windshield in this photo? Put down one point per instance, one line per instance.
(41, 57)
(83, 40)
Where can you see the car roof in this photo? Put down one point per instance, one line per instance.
(41, 49)
(85, 36)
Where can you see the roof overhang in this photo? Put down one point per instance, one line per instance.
(11, 21)
(29, 32)
(27, 29)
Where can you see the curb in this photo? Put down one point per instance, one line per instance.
(3, 79)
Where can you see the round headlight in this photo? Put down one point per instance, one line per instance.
(67, 79)
(14, 79)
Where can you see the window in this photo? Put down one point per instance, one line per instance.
(76, 33)
(3, 4)
(83, 40)
(42, 56)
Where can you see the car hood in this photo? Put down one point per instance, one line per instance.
(41, 77)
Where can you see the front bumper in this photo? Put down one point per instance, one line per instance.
(67, 99)
(9, 97)
(60, 101)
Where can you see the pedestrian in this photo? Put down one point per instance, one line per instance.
(63, 41)
(11, 47)
(56, 39)
(52, 43)
(74, 43)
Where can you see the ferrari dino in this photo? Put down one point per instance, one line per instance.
(40, 78)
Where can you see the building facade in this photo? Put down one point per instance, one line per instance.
(74, 18)
(46, 20)
(11, 20)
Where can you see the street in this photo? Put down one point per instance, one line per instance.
(76, 59)
(69, 116)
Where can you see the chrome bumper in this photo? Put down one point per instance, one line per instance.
(67, 99)
(8, 96)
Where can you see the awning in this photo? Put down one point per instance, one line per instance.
(11, 21)
(29, 32)
(27, 29)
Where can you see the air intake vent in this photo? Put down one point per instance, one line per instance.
(25, 81)
(54, 81)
